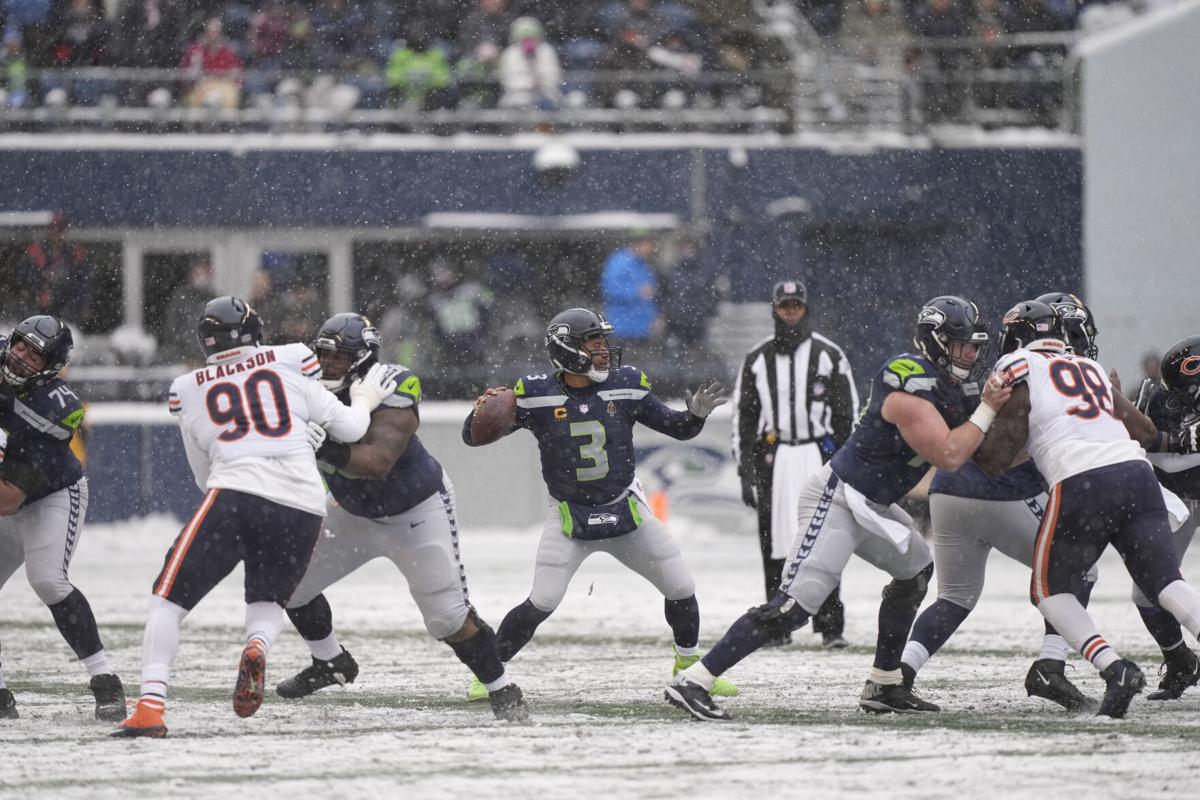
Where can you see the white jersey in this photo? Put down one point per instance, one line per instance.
(1072, 427)
(244, 423)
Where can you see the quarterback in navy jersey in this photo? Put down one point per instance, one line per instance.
(582, 416)
(44, 495)
(915, 417)
(394, 501)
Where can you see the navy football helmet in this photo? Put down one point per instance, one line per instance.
(565, 336)
(1030, 321)
(46, 336)
(349, 333)
(947, 319)
(1078, 324)
(1181, 375)
(228, 322)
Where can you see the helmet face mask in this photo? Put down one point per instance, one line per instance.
(951, 334)
(41, 338)
(1180, 376)
(577, 339)
(1079, 326)
(354, 341)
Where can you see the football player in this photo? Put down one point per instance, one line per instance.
(1103, 491)
(971, 513)
(582, 416)
(244, 420)
(44, 495)
(1173, 405)
(915, 416)
(393, 501)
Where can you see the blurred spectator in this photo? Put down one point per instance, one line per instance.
(481, 38)
(280, 36)
(690, 299)
(301, 312)
(342, 39)
(269, 304)
(1030, 16)
(629, 288)
(633, 27)
(177, 340)
(529, 70)
(874, 31)
(151, 33)
(459, 308)
(57, 276)
(942, 66)
(12, 60)
(216, 66)
(825, 16)
(418, 73)
(1152, 365)
(79, 36)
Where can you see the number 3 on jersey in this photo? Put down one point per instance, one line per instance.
(1084, 381)
(227, 405)
(592, 449)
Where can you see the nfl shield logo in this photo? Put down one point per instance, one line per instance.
(583, 407)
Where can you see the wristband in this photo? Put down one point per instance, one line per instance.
(983, 416)
(336, 454)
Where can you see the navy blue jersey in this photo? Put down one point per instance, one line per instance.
(414, 476)
(1183, 482)
(585, 436)
(971, 482)
(40, 424)
(876, 460)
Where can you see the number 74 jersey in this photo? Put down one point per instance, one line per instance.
(1072, 426)
(244, 420)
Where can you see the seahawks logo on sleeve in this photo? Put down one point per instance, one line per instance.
(909, 374)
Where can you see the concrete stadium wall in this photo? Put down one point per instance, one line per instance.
(1141, 129)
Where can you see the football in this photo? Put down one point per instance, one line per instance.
(495, 416)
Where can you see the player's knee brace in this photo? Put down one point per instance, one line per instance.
(910, 591)
(779, 617)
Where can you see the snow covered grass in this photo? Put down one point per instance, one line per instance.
(593, 678)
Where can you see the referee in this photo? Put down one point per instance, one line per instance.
(796, 404)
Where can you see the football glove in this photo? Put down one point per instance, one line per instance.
(316, 435)
(706, 398)
(1184, 440)
(3, 444)
(1146, 393)
(371, 389)
(748, 492)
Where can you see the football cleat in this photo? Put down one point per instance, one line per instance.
(145, 721)
(8, 705)
(782, 640)
(110, 697)
(339, 670)
(908, 676)
(252, 672)
(892, 698)
(1180, 669)
(721, 688)
(682, 692)
(508, 704)
(1124, 681)
(833, 641)
(1047, 679)
(476, 691)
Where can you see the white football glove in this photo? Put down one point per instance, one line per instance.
(316, 435)
(3, 444)
(374, 387)
(702, 401)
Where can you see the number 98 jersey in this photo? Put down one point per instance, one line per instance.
(244, 423)
(1072, 426)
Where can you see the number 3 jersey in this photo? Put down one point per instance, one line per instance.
(244, 419)
(585, 436)
(1071, 424)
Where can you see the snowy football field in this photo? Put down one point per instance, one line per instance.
(593, 679)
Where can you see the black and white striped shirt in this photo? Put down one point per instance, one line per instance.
(799, 396)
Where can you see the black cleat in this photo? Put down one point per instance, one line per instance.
(694, 699)
(908, 675)
(508, 704)
(1180, 669)
(833, 641)
(1047, 679)
(782, 640)
(110, 697)
(339, 670)
(8, 705)
(883, 699)
(1124, 681)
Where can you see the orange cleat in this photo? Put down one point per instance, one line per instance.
(252, 674)
(145, 721)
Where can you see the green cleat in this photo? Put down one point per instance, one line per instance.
(476, 691)
(722, 687)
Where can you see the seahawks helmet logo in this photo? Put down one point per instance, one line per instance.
(931, 315)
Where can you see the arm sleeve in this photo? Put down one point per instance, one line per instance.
(197, 458)
(658, 416)
(844, 402)
(745, 417)
(1013, 368)
(344, 423)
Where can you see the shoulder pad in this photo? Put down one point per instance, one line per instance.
(626, 377)
(535, 385)
(52, 409)
(910, 373)
(301, 356)
(1013, 368)
(408, 389)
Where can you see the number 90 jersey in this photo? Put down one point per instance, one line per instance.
(1072, 427)
(244, 423)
